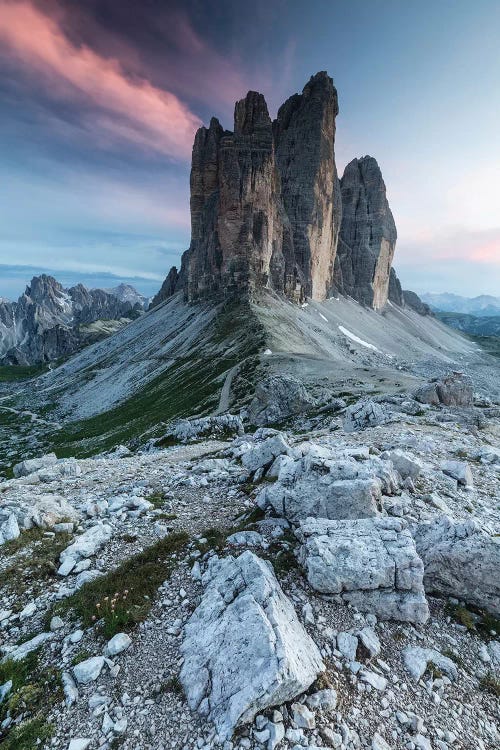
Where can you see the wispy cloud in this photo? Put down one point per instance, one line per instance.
(128, 108)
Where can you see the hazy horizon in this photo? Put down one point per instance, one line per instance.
(100, 102)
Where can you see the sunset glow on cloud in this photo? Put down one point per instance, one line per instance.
(132, 109)
(100, 101)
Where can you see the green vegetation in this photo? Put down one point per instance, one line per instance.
(166, 516)
(12, 373)
(82, 655)
(191, 385)
(28, 735)
(33, 569)
(173, 685)
(281, 554)
(35, 689)
(475, 619)
(157, 499)
(25, 538)
(490, 684)
(125, 595)
(462, 615)
(454, 657)
(434, 671)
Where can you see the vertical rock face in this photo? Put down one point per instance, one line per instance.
(367, 235)
(265, 201)
(395, 289)
(304, 133)
(268, 209)
(250, 222)
(237, 218)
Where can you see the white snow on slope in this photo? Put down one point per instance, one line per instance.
(355, 338)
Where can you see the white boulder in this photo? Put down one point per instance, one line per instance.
(459, 470)
(244, 648)
(417, 659)
(9, 529)
(264, 453)
(20, 652)
(118, 643)
(371, 563)
(363, 414)
(88, 670)
(406, 465)
(460, 560)
(87, 544)
(318, 485)
(31, 465)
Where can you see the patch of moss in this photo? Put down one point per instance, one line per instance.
(35, 689)
(35, 568)
(133, 584)
(157, 499)
(82, 655)
(13, 373)
(454, 657)
(434, 671)
(24, 538)
(29, 735)
(490, 684)
(473, 618)
(462, 615)
(173, 685)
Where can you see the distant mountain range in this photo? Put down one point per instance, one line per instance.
(49, 322)
(483, 306)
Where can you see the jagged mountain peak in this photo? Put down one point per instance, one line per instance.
(49, 322)
(268, 210)
(251, 114)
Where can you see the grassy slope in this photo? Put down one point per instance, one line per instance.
(190, 386)
(12, 373)
(471, 324)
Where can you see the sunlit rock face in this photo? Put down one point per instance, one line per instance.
(305, 150)
(367, 235)
(268, 209)
(265, 200)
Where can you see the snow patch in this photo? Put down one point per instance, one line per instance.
(355, 338)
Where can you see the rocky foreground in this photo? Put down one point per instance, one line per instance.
(333, 584)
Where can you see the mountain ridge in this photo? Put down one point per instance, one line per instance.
(268, 210)
(49, 322)
(482, 305)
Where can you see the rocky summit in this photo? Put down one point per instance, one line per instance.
(49, 322)
(268, 210)
(367, 235)
(265, 513)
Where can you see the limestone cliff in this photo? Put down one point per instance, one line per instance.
(48, 322)
(304, 133)
(268, 209)
(167, 288)
(265, 200)
(367, 235)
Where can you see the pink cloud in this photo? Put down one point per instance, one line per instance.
(189, 63)
(487, 253)
(132, 108)
(451, 244)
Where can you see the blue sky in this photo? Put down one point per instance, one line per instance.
(99, 102)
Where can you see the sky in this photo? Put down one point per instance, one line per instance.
(100, 100)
